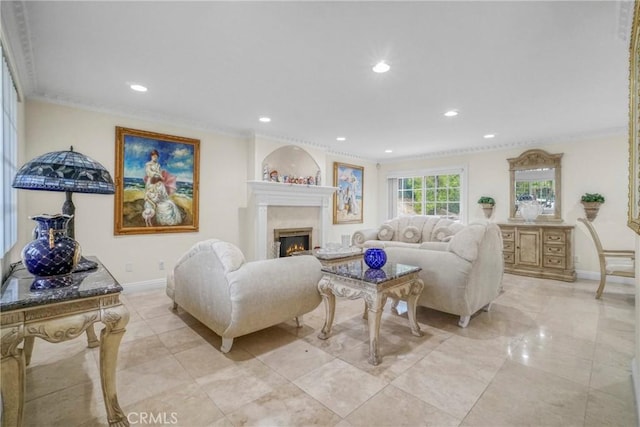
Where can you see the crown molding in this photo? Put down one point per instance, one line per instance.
(15, 22)
(126, 111)
(578, 137)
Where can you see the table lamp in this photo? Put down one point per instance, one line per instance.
(67, 171)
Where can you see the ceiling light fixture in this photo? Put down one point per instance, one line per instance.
(489, 136)
(381, 67)
(341, 138)
(264, 119)
(388, 151)
(451, 113)
(138, 88)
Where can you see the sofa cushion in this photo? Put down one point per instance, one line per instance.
(465, 243)
(386, 232)
(230, 256)
(410, 234)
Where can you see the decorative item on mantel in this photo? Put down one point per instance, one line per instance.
(375, 257)
(487, 203)
(591, 203)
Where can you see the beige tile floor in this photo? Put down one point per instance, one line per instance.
(548, 354)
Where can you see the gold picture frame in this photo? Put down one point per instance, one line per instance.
(348, 201)
(634, 125)
(157, 183)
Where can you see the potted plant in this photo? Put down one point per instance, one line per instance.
(591, 203)
(487, 203)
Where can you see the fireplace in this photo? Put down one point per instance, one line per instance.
(292, 240)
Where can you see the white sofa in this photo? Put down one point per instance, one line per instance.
(407, 231)
(214, 284)
(461, 275)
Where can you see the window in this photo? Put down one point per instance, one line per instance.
(429, 192)
(9, 152)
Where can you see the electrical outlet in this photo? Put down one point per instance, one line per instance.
(161, 265)
(128, 267)
(576, 259)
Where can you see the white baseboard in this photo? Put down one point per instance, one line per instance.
(594, 275)
(147, 285)
(636, 384)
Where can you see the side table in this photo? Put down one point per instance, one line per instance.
(355, 280)
(57, 315)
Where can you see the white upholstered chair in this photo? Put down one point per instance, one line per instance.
(232, 297)
(612, 262)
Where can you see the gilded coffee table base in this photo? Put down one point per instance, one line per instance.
(406, 287)
(56, 323)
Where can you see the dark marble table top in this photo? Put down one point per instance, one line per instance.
(361, 271)
(17, 293)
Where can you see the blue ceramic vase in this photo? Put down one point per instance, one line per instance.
(375, 257)
(53, 252)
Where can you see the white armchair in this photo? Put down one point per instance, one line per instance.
(214, 284)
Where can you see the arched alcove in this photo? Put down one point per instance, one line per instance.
(290, 162)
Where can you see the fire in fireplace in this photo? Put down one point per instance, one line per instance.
(292, 240)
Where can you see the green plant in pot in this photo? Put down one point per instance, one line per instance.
(487, 203)
(591, 203)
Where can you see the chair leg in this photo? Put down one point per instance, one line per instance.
(603, 279)
(226, 345)
(299, 322)
(488, 306)
(175, 306)
(464, 321)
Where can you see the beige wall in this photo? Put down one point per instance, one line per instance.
(223, 186)
(226, 162)
(594, 166)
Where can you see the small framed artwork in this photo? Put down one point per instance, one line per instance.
(348, 201)
(157, 180)
(634, 118)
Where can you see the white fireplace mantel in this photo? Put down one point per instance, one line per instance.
(265, 193)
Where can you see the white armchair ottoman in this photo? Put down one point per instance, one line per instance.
(232, 297)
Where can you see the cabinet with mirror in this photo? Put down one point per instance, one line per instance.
(536, 177)
(537, 245)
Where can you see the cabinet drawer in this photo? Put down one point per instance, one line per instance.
(552, 236)
(509, 257)
(558, 250)
(508, 235)
(553, 262)
(508, 246)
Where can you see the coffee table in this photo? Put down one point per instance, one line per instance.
(353, 280)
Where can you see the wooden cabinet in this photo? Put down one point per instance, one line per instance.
(539, 250)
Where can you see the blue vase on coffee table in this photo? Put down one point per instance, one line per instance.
(375, 257)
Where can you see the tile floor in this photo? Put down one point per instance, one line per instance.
(548, 354)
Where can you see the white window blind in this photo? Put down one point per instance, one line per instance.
(9, 221)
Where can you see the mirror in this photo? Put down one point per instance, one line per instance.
(535, 176)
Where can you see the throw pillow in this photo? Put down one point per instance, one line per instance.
(410, 234)
(441, 233)
(230, 256)
(386, 232)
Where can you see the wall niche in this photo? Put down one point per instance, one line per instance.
(291, 165)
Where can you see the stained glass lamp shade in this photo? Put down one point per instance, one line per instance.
(67, 171)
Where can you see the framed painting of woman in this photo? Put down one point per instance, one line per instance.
(347, 202)
(157, 180)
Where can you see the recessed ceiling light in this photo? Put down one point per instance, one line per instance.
(489, 136)
(388, 151)
(138, 88)
(451, 113)
(381, 67)
(265, 119)
(341, 138)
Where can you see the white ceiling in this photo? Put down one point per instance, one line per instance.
(530, 72)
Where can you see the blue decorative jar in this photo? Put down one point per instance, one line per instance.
(375, 257)
(53, 253)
